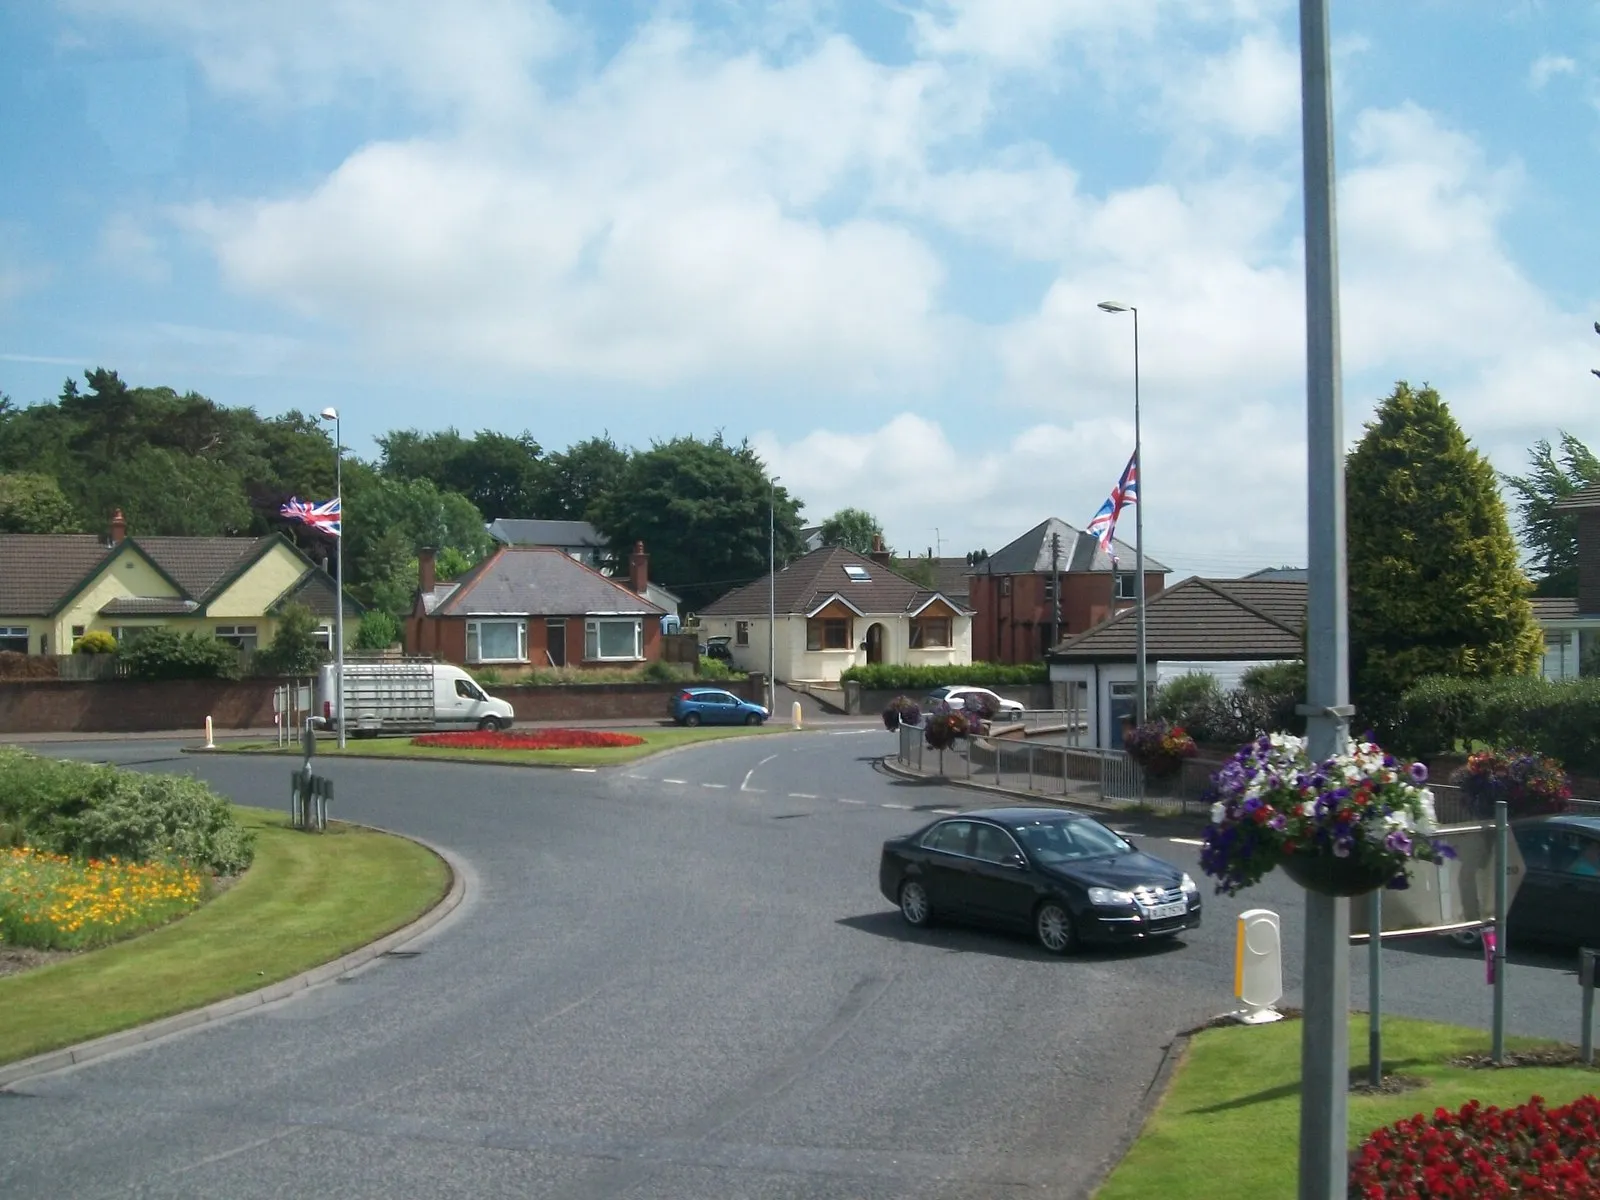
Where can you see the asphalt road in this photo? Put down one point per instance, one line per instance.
(674, 980)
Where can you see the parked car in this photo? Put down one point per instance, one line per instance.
(713, 706)
(718, 647)
(1059, 874)
(955, 695)
(1558, 902)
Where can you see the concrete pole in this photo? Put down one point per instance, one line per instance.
(1325, 1033)
(772, 601)
(1138, 534)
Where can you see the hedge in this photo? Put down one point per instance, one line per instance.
(895, 677)
(1558, 718)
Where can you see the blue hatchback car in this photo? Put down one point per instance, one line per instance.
(713, 706)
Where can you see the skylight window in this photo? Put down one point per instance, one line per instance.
(857, 574)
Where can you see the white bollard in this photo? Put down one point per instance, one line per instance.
(210, 745)
(794, 714)
(1258, 966)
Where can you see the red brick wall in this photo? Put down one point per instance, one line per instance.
(1006, 628)
(445, 638)
(133, 706)
(607, 701)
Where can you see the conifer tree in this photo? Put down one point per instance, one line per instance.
(1434, 584)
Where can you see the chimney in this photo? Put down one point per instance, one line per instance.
(119, 526)
(639, 569)
(880, 553)
(426, 570)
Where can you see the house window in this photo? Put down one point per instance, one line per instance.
(126, 635)
(828, 633)
(1049, 587)
(240, 637)
(14, 638)
(741, 633)
(613, 640)
(1125, 586)
(77, 631)
(497, 641)
(1005, 586)
(930, 633)
(322, 636)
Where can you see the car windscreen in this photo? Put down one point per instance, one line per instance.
(1057, 840)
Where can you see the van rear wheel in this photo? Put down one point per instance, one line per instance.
(489, 725)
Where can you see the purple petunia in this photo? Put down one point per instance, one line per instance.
(1419, 773)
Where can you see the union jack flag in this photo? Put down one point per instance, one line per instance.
(324, 516)
(1104, 524)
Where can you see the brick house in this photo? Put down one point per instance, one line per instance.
(527, 607)
(1012, 591)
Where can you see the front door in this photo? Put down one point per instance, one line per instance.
(875, 643)
(555, 642)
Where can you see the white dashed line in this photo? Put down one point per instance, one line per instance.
(842, 800)
(948, 812)
(634, 775)
(713, 785)
(672, 781)
(745, 786)
(1187, 841)
(583, 770)
(803, 796)
(904, 807)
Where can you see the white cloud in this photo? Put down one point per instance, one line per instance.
(1547, 66)
(1251, 92)
(128, 245)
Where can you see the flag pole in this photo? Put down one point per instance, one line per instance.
(332, 414)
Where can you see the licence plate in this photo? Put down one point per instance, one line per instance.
(1161, 912)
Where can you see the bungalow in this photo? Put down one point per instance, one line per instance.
(836, 609)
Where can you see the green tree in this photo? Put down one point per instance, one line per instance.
(1551, 538)
(1434, 586)
(579, 476)
(35, 504)
(502, 475)
(700, 508)
(853, 529)
(379, 630)
(163, 653)
(386, 520)
(294, 649)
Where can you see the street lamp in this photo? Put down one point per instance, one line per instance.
(772, 596)
(1113, 306)
(332, 414)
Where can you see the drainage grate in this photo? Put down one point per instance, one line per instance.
(400, 954)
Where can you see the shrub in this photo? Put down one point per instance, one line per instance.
(1184, 694)
(1558, 718)
(165, 654)
(95, 641)
(1530, 784)
(718, 671)
(1529, 1150)
(898, 677)
(379, 630)
(901, 711)
(294, 649)
(85, 810)
(1159, 748)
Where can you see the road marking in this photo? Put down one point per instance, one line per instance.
(672, 781)
(905, 807)
(948, 812)
(849, 732)
(584, 770)
(803, 796)
(713, 785)
(842, 800)
(745, 786)
(635, 775)
(1187, 841)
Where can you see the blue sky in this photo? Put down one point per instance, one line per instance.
(867, 236)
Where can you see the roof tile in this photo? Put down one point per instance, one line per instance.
(803, 585)
(539, 581)
(1202, 619)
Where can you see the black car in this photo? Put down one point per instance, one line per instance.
(1058, 873)
(1558, 901)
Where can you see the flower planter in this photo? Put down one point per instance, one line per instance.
(1329, 875)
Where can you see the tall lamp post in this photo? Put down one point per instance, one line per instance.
(332, 414)
(772, 596)
(1113, 306)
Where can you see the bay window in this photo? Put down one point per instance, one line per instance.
(828, 633)
(930, 633)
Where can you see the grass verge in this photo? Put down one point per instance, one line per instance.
(1229, 1125)
(655, 740)
(306, 900)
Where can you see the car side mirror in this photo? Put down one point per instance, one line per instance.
(1014, 860)
(1132, 845)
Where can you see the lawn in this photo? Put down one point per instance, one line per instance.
(656, 739)
(306, 900)
(1228, 1127)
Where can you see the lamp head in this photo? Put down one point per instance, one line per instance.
(1113, 306)
(330, 414)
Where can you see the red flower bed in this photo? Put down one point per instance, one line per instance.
(1484, 1152)
(533, 739)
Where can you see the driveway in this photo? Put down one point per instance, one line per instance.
(675, 979)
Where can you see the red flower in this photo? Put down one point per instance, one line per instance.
(536, 739)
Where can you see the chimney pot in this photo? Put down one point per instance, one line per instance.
(639, 569)
(427, 569)
(119, 526)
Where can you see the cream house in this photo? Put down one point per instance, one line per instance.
(836, 609)
(56, 587)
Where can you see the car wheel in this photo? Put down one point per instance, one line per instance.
(914, 904)
(753, 719)
(691, 719)
(1052, 925)
(489, 725)
(1467, 939)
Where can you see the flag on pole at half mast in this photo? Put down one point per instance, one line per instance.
(1104, 524)
(324, 516)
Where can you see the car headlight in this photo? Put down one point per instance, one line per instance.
(1108, 897)
(1190, 887)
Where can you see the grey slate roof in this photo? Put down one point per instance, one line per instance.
(809, 580)
(1583, 498)
(515, 531)
(1219, 620)
(1292, 574)
(537, 581)
(200, 565)
(951, 576)
(315, 591)
(1031, 553)
(38, 569)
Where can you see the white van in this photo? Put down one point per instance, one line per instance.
(407, 696)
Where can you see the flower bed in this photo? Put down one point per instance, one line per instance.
(1484, 1151)
(533, 739)
(51, 902)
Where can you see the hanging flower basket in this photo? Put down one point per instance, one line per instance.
(1348, 825)
(1159, 748)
